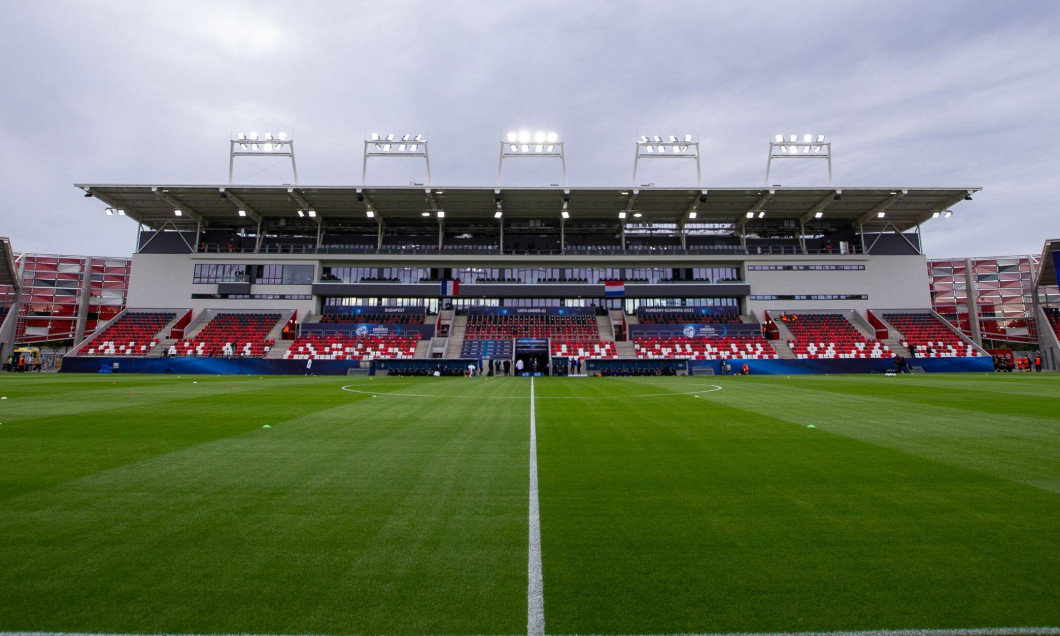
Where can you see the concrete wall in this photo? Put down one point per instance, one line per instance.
(891, 282)
(164, 280)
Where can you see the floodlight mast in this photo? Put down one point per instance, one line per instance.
(537, 145)
(667, 147)
(261, 146)
(392, 145)
(800, 147)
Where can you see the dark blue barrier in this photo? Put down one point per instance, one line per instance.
(633, 366)
(209, 366)
(531, 311)
(843, 365)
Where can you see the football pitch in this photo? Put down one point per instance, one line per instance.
(334, 505)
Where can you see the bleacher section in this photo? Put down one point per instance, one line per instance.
(1053, 314)
(754, 348)
(339, 347)
(583, 348)
(825, 335)
(131, 335)
(929, 335)
(230, 335)
(485, 327)
(491, 349)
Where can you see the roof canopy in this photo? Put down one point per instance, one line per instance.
(757, 209)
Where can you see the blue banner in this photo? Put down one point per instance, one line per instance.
(697, 312)
(367, 329)
(531, 311)
(695, 330)
(356, 310)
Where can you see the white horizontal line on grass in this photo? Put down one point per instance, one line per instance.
(972, 631)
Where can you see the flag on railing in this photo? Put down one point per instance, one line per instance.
(450, 288)
(614, 288)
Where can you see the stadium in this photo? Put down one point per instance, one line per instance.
(497, 410)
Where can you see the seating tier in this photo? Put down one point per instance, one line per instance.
(584, 348)
(230, 334)
(830, 336)
(929, 335)
(338, 347)
(752, 347)
(504, 327)
(131, 335)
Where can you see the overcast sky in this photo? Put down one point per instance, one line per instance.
(946, 94)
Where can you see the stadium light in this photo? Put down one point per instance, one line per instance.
(441, 214)
(693, 214)
(526, 143)
(370, 213)
(498, 214)
(637, 215)
(791, 147)
(668, 147)
(109, 211)
(818, 215)
(407, 145)
(751, 214)
(565, 215)
(425, 213)
(246, 145)
(622, 215)
(301, 214)
(241, 212)
(948, 214)
(312, 213)
(881, 214)
(178, 212)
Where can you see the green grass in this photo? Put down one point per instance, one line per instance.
(155, 504)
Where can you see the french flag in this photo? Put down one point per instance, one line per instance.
(450, 288)
(614, 288)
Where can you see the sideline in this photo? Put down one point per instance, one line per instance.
(535, 590)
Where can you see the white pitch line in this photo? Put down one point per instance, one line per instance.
(535, 589)
(975, 631)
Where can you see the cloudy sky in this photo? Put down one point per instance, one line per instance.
(911, 93)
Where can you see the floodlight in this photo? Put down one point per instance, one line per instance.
(762, 214)
(881, 214)
(514, 148)
(301, 214)
(441, 214)
(552, 137)
(283, 136)
(109, 211)
(817, 149)
(512, 137)
(936, 214)
(177, 213)
(637, 215)
(524, 136)
(525, 148)
(538, 148)
(121, 212)
(253, 135)
(539, 137)
(621, 215)
(751, 214)
(673, 138)
(550, 148)
(688, 138)
(661, 148)
(405, 137)
(650, 148)
(783, 149)
(268, 135)
(390, 137)
(241, 136)
(401, 147)
(386, 147)
(818, 215)
(565, 214)
(241, 212)
(254, 146)
(498, 214)
(268, 147)
(693, 214)
(948, 214)
(312, 213)
(643, 139)
(807, 138)
(779, 138)
(370, 213)
(656, 138)
(820, 139)
(418, 137)
(413, 147)
(793, 138)
(425, 213)
(375, 136)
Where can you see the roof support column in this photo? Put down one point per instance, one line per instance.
(802, 236)
(973, 302)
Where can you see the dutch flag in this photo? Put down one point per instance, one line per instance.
(614, 288)
(450, 288)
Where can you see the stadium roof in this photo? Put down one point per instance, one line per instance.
(8, 271)
(1046, 267)
(348, 206)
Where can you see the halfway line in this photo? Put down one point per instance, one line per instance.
(535, 591)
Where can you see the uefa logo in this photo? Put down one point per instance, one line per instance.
(689, 331)
(361, 331)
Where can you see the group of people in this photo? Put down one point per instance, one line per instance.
(20, 364)
(1026, 364)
